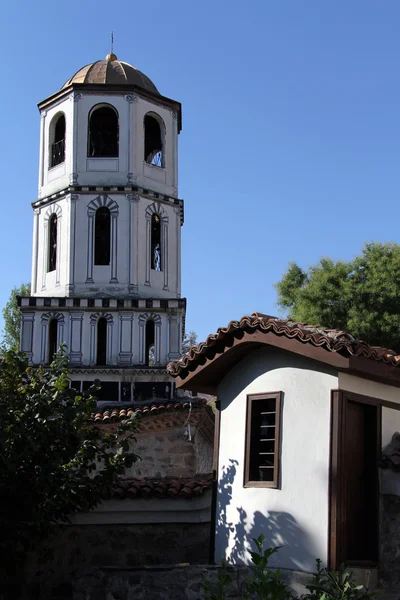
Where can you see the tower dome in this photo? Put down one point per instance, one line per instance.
(112, 71)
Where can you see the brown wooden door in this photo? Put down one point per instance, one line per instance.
(361, 482)
(354, 480)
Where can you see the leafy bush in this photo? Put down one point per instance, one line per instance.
(218, 590)
(265, 584)
(53, 461)
(335, 585)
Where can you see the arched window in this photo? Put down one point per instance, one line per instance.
(52, 251)
(103, 132)
(102, 236)
(153, 142)
(101, 355)
(149, 347)
(57, 137)
(156, 242)
(53, 341)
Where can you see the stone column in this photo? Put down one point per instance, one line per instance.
(178, 251)
(75, 344)
(133, 243)
(70, 287)
(58, 249)
(41, 151)
(157, 341)
(132, 100)
(45, 251)
(142, 326)
(109, 358)
(43, 342)
(148, 251)
(26, 336)
(74, 143)
(114, 248)
(174, 152)
(125, 338)
(93, 325)
(174, 332)
(89, 276)
(35, 250)
(164, 255)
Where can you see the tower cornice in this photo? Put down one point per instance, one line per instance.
(110, 189)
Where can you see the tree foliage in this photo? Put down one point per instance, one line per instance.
(12, 317)
(53, 461)
(361, 295)
(189, 341)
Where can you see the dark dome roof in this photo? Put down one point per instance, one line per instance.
(111, 71)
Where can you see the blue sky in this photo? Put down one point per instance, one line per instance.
(290, 146)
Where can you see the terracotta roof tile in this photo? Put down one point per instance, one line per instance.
(333, 340)
(112, 415)
(166, 487)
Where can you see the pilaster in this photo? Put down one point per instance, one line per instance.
(70, 287)
(133, 246)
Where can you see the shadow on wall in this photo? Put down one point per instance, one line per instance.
(234, 537)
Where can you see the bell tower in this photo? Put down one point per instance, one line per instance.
(106, 276)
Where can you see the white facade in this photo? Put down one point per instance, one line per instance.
(295, 516)
(129, 272)
(138, 278)
(129, 167)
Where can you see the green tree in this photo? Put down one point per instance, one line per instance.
(12, 317)
(361, 295)
(189, 341)
(53, 461)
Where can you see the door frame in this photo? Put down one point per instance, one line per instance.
(337, 507)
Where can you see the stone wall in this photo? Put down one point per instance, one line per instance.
(389, 535)
(168, 583)
(77, 549)
(204, 453)
(164, 453)
(167, 451)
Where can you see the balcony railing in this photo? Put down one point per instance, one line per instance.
(57, 153)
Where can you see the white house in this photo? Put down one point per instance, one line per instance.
(303, 415)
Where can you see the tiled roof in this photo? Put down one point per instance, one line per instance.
(165, 487)
(114, 414)
(333, 340)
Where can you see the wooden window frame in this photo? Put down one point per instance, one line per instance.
(275, 483)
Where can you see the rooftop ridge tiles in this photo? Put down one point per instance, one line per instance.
(333, 340)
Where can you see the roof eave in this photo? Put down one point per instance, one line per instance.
(208, 370)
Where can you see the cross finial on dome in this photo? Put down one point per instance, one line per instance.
(110, 57)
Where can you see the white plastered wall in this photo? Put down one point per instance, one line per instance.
(52, 179)
(129, 167)
(51, 283)
(296, 515)
(129, 272)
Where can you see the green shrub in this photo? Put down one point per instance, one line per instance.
(335, 585)
(265, 583)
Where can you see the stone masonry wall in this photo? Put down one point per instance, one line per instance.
(204, 453)
(77, 549)
(169, 583)
(389, 536)
(168, 454)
